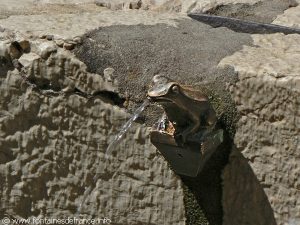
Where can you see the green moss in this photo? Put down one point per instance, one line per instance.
(223, 104)
(193, 212)
(203, 194)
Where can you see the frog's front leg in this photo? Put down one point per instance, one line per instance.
(187, 132)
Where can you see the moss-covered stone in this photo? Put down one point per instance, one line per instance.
(203, 194)
(193, 212)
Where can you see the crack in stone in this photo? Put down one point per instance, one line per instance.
(242, 26)
(47, 90)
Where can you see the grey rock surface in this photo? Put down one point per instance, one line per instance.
(290, 17)
(268, 130)
(53, 142)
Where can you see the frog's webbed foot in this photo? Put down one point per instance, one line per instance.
(188, 135)
(182, 137)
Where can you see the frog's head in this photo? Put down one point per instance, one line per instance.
(163, 90)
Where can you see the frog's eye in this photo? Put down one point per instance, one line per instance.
(175, 89)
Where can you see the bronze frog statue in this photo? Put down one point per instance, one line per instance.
(187, 109)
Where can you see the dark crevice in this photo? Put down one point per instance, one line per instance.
(246, 18)
(242, 26)
(203, 194)
(45, 88)
(5, 66)
(43, 84)
(16, 45)
(138, 5)
(111, 96)
(6, 156)
(260, 12)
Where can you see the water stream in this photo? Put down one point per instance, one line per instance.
(125, 128)
(116, 140)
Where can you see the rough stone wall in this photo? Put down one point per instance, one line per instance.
(46, 154)
(66, 26)
(244, 199)
(267, 96)
(55, 124)
(232, 8)
(290, 17)
(269, 127)
(183, 6)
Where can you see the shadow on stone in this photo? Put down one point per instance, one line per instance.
(262, 11)
(203, 194)
(5, 66)
(226, 192)
(244, 199)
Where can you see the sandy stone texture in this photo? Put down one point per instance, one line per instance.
(268, 97)
(55, 125)
(183, 6)
(67, 26)
(290, 17)
(45, 7)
